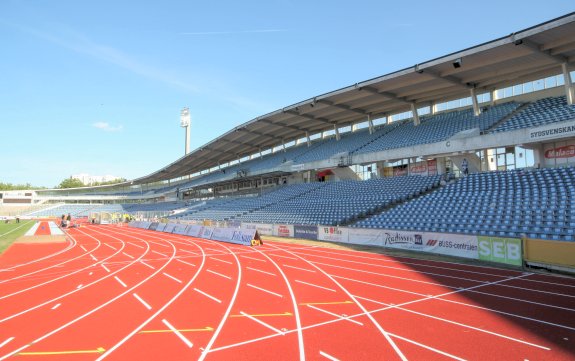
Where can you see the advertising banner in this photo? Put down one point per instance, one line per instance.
(153, 226)
(180, 229)
(262, 228)
(371, 237)
(501, 250)
(194, 230)
(222, 234)
(332, 234)
(244, 236)
(283, 230)
(206, 232)
(160, 227)
(305, 232)
(170, 227)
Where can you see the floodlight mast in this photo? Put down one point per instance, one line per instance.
(185, 123)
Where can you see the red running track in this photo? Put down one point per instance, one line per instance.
(119, 293)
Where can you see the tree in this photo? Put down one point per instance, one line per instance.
(71, 183)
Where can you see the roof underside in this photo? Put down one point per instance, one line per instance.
(530, 54)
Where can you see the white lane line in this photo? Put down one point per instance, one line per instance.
(255, 259)
(185, 250)
(262, 289)
(329, 357)
(259, 270)
(215, 250)
(278, 256)
(163, 245)
(147, 265)
(112, 247)
(219, 274)
(142, 301)
(161, 254)
(178, 333)
(311, 284)
(137, 245)
(104, 267)
(127, 255)
(94, 258)
(336, 315)
(172, 277)
(209, 296)
(56, 306)
(184, 262)
(6, 341)
(83, 248)
(262, 323)
(79, 286)
(120, 282)
(389, 306)
(220, 260)
(427, 347)
(301, 269)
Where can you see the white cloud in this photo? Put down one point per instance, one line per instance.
(107, 127)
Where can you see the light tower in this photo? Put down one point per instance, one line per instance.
(185, 123)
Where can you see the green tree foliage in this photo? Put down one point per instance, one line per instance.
(15, 187)
(71, 183)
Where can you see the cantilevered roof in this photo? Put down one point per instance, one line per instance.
(530, 54)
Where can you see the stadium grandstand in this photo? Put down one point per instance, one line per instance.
(480, 142)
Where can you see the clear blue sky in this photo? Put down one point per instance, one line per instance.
(97, 86)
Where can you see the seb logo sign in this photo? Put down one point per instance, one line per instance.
(501, 250)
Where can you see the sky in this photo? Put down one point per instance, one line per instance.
(97, 86)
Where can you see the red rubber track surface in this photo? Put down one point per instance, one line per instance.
(120, 293)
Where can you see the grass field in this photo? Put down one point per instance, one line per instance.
(9, 232)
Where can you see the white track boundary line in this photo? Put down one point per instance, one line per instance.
(329, 357)
(316, 286)
(262, 323)
(184, 262)
(253, 259)
(178, 333)
(172, 277)
(259, 270)
(121, 282)
(220, 260)
(146, 304)
(208, 295)
(264, 290)
(219, 274)
(299, 268)
(347, 318)
(6, 341)
(147, 265)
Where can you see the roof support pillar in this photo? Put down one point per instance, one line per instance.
(308, 140)
(569, 90)
(337, 137)
(284, 145)
(387, 119)
(476, 109)
(370, 122)
(416, 121)
(433, 108)
(493, 97)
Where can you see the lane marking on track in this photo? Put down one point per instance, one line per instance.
(262, 289)
(255, 259)
(137, 245)
(172, 277)
(298, 268)
(390, 306)
(278, 256)
(185, 250)
(94, 258)
(265, 315)
(184, 262)
(121, 282)
(112, 247)
(6, 341)
(207, 295)
(262, 323)
(127, 255)
(99, 350)
(326, 303)
(215, 250)
(336, 315)
(56, 306)
(83, 248)
(311, 284)
(79, 286)
(178, 333)
(163, 245)
(147, 265)
(104, 267)
(220, 260)
(142, 301)
(219, 274)
(205, 329)
(161, 254)
(427, 347)
(329, 357)
(259, 270)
